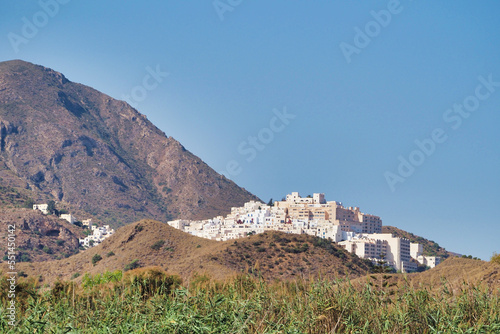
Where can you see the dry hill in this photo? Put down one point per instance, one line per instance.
(456, 270)
(151, 243)
(70, 143)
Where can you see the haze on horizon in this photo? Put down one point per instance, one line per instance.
(390, 106)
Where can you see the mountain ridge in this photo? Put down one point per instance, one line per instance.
(68, 142)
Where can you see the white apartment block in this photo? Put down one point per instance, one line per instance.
(87, 222)
(417, 254)
(42, 207)
(382, 247)
(317, 208)
(68, 217)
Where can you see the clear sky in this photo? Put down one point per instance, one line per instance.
(392, 106)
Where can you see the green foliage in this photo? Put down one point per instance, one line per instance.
(139, 228)
(59, 242)
(132, 265)
(111, 253)
(154, 302)
(51, 208)
(75, 275)
(495, 258)
(24, 258)
(96, 258)
(89, 281)
(158, 245)
(28, 204)
(297, 249)
(47, 250)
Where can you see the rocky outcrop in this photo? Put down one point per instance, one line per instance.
(39, 237)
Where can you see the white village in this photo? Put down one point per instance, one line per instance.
(98, 233)
(357, 232)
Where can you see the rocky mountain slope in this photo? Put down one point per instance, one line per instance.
(68, 142)
(39, 237)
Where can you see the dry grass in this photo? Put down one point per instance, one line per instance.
(149, 300)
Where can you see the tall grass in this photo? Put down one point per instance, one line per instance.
(150, 301)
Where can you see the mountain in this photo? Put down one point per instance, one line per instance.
(67, 142)
(274, 255)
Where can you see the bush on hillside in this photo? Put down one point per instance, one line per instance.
(96, 258)
(495, 258)
(132, 265)
(158, 245)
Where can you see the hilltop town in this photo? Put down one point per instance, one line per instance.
(357, 232)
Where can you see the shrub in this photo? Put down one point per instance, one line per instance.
(139, 228)
(158, 245)
(495, 258)
(75, 275)
(47, 250)
(96, 258)
(132, 265)
(29, 203)
(59, 242)
(110, 254)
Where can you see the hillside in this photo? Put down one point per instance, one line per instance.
(39, 237)
(153, 243)
(279, 255)
(67, 142)
(456, 270)
(430, 247)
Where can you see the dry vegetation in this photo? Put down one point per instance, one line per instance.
(149, 300)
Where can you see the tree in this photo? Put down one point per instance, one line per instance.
(29, 203)
(270, 203)
(51, 207)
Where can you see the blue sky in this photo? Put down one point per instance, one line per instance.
(360, 81)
